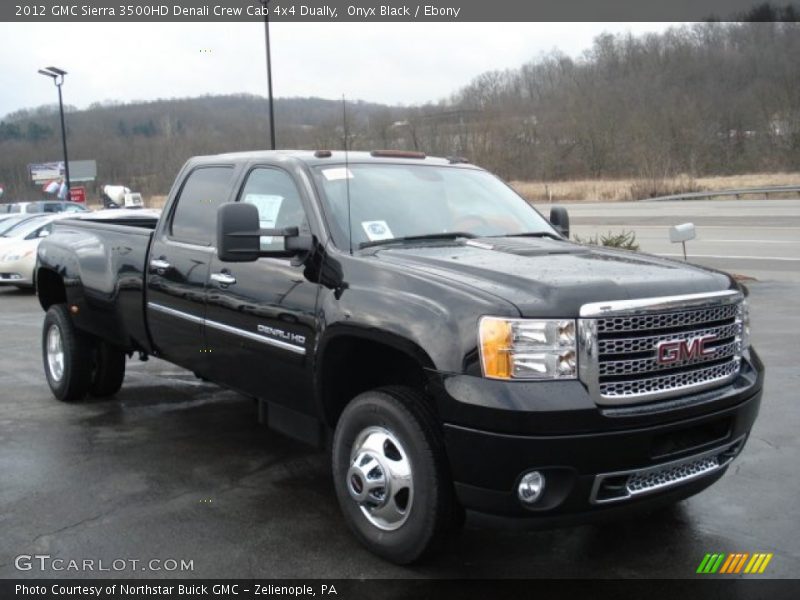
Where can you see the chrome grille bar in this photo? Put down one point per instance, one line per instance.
(666, 320)
(657, 387)
(649, 365)
(628, 345)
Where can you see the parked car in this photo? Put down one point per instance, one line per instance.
(451, 345)
(46, 206)
(18, 247)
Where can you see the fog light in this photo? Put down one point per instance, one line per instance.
(530, 487)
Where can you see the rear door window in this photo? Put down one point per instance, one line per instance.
(194, 220)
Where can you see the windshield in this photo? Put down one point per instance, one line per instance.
(25, 227)
(390, 201)
(10, 222)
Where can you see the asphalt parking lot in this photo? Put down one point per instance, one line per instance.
(174, 468)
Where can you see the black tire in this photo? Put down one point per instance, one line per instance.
(109, 370)
(433, 512)
(77, 361)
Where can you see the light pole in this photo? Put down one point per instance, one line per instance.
(57, 76)
(265, 3)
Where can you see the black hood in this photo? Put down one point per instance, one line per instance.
(545, 277)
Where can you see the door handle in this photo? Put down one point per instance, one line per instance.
(223, 279)
(160, 265)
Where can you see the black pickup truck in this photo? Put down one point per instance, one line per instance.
(449, 344)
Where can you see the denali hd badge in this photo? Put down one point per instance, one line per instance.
(672, 351)
(287, 336)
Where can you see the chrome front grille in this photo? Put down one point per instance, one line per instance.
(643, 350)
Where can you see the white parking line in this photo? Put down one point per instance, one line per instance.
(628, 226)
(752, 241)
(733, 256)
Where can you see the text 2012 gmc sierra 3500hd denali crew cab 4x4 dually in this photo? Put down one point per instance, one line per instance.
(453, 347)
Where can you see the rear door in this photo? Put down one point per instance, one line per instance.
(260, 321)
(178, 267)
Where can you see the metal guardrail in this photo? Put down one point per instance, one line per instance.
(766, 191)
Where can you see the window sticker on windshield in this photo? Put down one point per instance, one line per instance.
(377, 230)
(269, 205)
(336, 173)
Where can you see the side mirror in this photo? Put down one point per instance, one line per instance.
(239, 235)
(559, 218)
(44, 233)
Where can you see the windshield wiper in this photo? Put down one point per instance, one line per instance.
(414, 238)
(530, 234)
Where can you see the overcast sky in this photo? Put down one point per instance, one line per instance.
(397, 63)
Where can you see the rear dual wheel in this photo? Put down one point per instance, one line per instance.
(76, 364)
(109, 370)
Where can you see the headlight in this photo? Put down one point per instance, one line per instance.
(12, 256)
(743, 317)
(528, 348)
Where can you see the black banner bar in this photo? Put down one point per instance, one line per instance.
(419, 589)
(371, 11)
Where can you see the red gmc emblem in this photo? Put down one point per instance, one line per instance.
(673, 351)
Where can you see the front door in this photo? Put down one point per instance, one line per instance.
(260, 319)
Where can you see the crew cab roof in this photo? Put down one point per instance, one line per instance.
(317, 158)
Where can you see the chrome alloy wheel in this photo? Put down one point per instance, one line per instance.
(380, 479)
(55, 353)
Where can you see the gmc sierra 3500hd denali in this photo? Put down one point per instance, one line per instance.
(452, 346)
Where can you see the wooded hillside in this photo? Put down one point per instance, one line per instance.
(706, 99)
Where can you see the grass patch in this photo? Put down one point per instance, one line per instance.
(625, 240)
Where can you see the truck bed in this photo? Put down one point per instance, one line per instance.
(144, 218)
(107, 255)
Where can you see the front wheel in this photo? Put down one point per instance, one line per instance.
(390, 474)
(67, 356)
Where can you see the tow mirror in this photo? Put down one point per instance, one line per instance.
(239, 235)
(559, 218)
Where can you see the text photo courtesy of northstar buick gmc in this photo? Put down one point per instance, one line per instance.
(449, 344)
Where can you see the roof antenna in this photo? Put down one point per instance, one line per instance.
(347, 174)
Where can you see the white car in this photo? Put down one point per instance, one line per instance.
(18, 247)
(46, 206)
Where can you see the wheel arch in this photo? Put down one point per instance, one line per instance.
(50, 288)
(352, 360)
